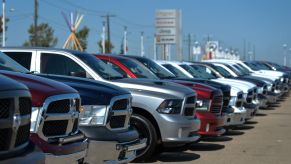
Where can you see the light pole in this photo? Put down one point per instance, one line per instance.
(289, 57)
(3, 22)
(285, 54)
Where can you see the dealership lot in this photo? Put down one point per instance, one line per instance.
(266, 139)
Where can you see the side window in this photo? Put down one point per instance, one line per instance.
(61, 65)
(23, 58)
(115, 67)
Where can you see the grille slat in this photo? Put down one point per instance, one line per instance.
(117, 121)
(216, 104)
(226, 98)
(120, 104)
(24, 106)
(5, 139)
(4, 108)
(190, 110)
(22, 135)
(55, 128)
(60, 106)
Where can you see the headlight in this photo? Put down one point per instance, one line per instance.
(93, 115)
(260, 90)
(170, 106)
(269, 87)
(281, 79)
(203, 105)
(232, 101)
(35, 118)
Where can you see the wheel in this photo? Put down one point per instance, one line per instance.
(146, 130)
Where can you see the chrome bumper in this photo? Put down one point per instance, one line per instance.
(112, 152)
(65, 159)
(236, 118)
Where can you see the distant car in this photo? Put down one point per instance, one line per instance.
(15, 112)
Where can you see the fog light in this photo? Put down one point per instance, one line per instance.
(207, 128)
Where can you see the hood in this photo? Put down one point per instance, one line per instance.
(273, 78)
(154, 86)
(243, 87)
(8, 84)
(203, 91)
(234, 91)
(222, 87)
(258, 82)
(40, 88)
(270, 72)
(92, 92)
(249, 84)
(266, 80)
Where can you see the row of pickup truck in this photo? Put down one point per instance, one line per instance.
(66, 106)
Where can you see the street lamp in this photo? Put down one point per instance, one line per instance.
(285, 54)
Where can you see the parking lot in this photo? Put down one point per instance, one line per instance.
(266, 139)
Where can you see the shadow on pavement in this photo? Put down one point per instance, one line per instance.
(259, 114)
(217, 139)
(244, 127)
(177, 157)
(234, 133)
(206, 147)
(252, 122)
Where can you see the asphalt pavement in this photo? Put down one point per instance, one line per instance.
(264, 140)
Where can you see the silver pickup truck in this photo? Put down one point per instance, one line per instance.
(163, 112)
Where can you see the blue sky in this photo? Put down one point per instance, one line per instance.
(265, 24)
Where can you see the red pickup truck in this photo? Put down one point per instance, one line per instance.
(55, 115)
(209, 99)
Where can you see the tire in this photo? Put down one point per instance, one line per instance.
(146, 130)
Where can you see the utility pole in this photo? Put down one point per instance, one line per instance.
(3, 23)
(189, 47)
(254, 52)
(125, 41)
(155, 47)
(35, 22)
(107, 18)
(103, 38)
(141, 44)
(244, 49)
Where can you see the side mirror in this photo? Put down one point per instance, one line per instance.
(78, 74)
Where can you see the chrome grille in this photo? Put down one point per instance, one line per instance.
(5, 105)
(59, 114)
(12, 137)
(189, 109)
(226, 98)
(120, 110)
(250, 96)
(216, 104)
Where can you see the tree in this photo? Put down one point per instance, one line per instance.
(82, 35)
(45, 36)
(108, 46)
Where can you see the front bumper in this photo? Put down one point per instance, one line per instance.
(72, 152)
(66, 159)
(112, 152)
(178, 129)
(251, 110)
(32, 156)
(272, 97)
(211, 124)
(236, 118)
(262, 102)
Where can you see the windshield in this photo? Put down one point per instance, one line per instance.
(175, 71)
(102, 69)
(190, 70)
(223, 71)
(158, 70)
(252, 66)
(6, 63)
(234, 70)
(138, 69)
(203, 72)
(245, 70)
(262, 66)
